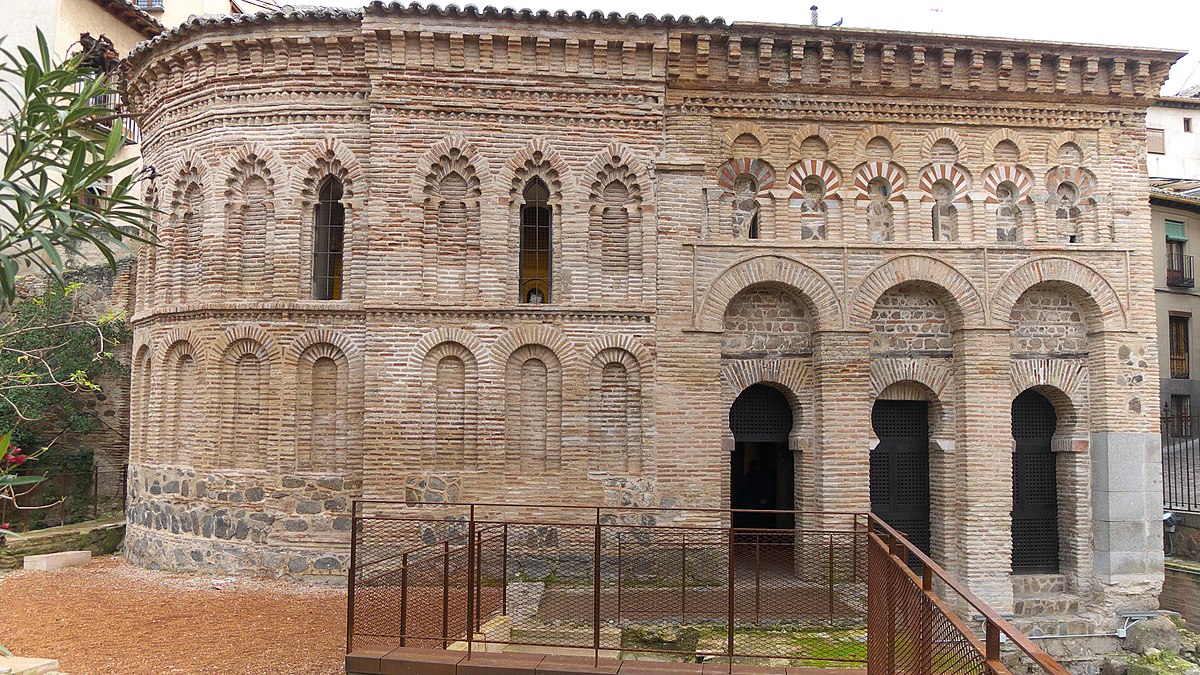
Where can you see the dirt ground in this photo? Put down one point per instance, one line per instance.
(111, 617)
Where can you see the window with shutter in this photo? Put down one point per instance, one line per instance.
(1155, 144)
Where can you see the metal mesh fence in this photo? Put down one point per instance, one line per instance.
(668, 584)
(913, 633)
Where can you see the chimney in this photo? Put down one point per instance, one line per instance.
(814, 16)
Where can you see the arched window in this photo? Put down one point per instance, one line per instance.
(535, 243)
(329, 227)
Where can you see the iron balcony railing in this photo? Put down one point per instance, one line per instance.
(839, 589)
(1179, 271)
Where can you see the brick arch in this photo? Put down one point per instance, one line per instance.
(517, 170)
(1061, 139)
(956, 174)
(253, 159)
(760, 169)
(770, 269)
(942, 133)
(175, 337)
(192, 163)
(936, 377)
(892, 172)
(865, 136)
(962, 300)
(806, 132)
(328, 156)
(828, 172)
(429, 341)
(625, 343)
(542, 334)
(744, 127)
(326, 336)
(1018, 175)
(442, 148)
(615, 162)
(246, 333)
(904, 382)
(793, 378)
(994, 139)
(1101, 303)
(1082, 178)
(1066, 390)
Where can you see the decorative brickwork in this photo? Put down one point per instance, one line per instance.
(841, 215)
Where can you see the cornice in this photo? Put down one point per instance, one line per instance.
(362, 312)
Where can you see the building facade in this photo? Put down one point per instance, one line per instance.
(1173, 158)
(494, 255)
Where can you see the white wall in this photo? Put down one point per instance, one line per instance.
(1182, 159)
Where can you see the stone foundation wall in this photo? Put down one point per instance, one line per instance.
(181, 519)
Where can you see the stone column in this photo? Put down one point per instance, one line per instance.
(843, 421)
(1126, 464)
(984, 447)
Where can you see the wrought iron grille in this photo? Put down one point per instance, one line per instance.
(1035, 486)
(1180, 460)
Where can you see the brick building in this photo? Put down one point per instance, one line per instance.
(473, 254)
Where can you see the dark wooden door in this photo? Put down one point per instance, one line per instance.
(1035, 486)
(900, 468)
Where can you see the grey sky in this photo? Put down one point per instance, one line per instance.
(1171, 24)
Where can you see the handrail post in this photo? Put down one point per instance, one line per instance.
(446, 592)
(596, 591)
(504, 572)
(470, 581)
(758, 577)
(683, 585)
(95, 491)
(354, 525)
(831, 578)
(729, 588)
(403, 599)
(991, 643)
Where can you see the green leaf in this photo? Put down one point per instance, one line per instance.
(12, 480)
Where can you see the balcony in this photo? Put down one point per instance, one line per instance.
(466, 588)
(1179, 271)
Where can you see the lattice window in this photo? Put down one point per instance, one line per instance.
(329, 228)
(536, 246)
(760, 414)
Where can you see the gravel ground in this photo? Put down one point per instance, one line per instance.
(111, 617)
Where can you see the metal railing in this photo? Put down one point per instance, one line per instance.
(679, 583)
(67, 498)
(911, 629)
(1179, 270)
(1180, 434)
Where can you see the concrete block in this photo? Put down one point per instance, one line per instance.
(55, 561)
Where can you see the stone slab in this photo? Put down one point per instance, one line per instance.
(577, 665)
(413, 661)
(55, 561)
(18, 665)
(365, 661)
(500, 664)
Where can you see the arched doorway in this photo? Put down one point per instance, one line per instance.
(1035, 486)
(761, 470)
(900, 467)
